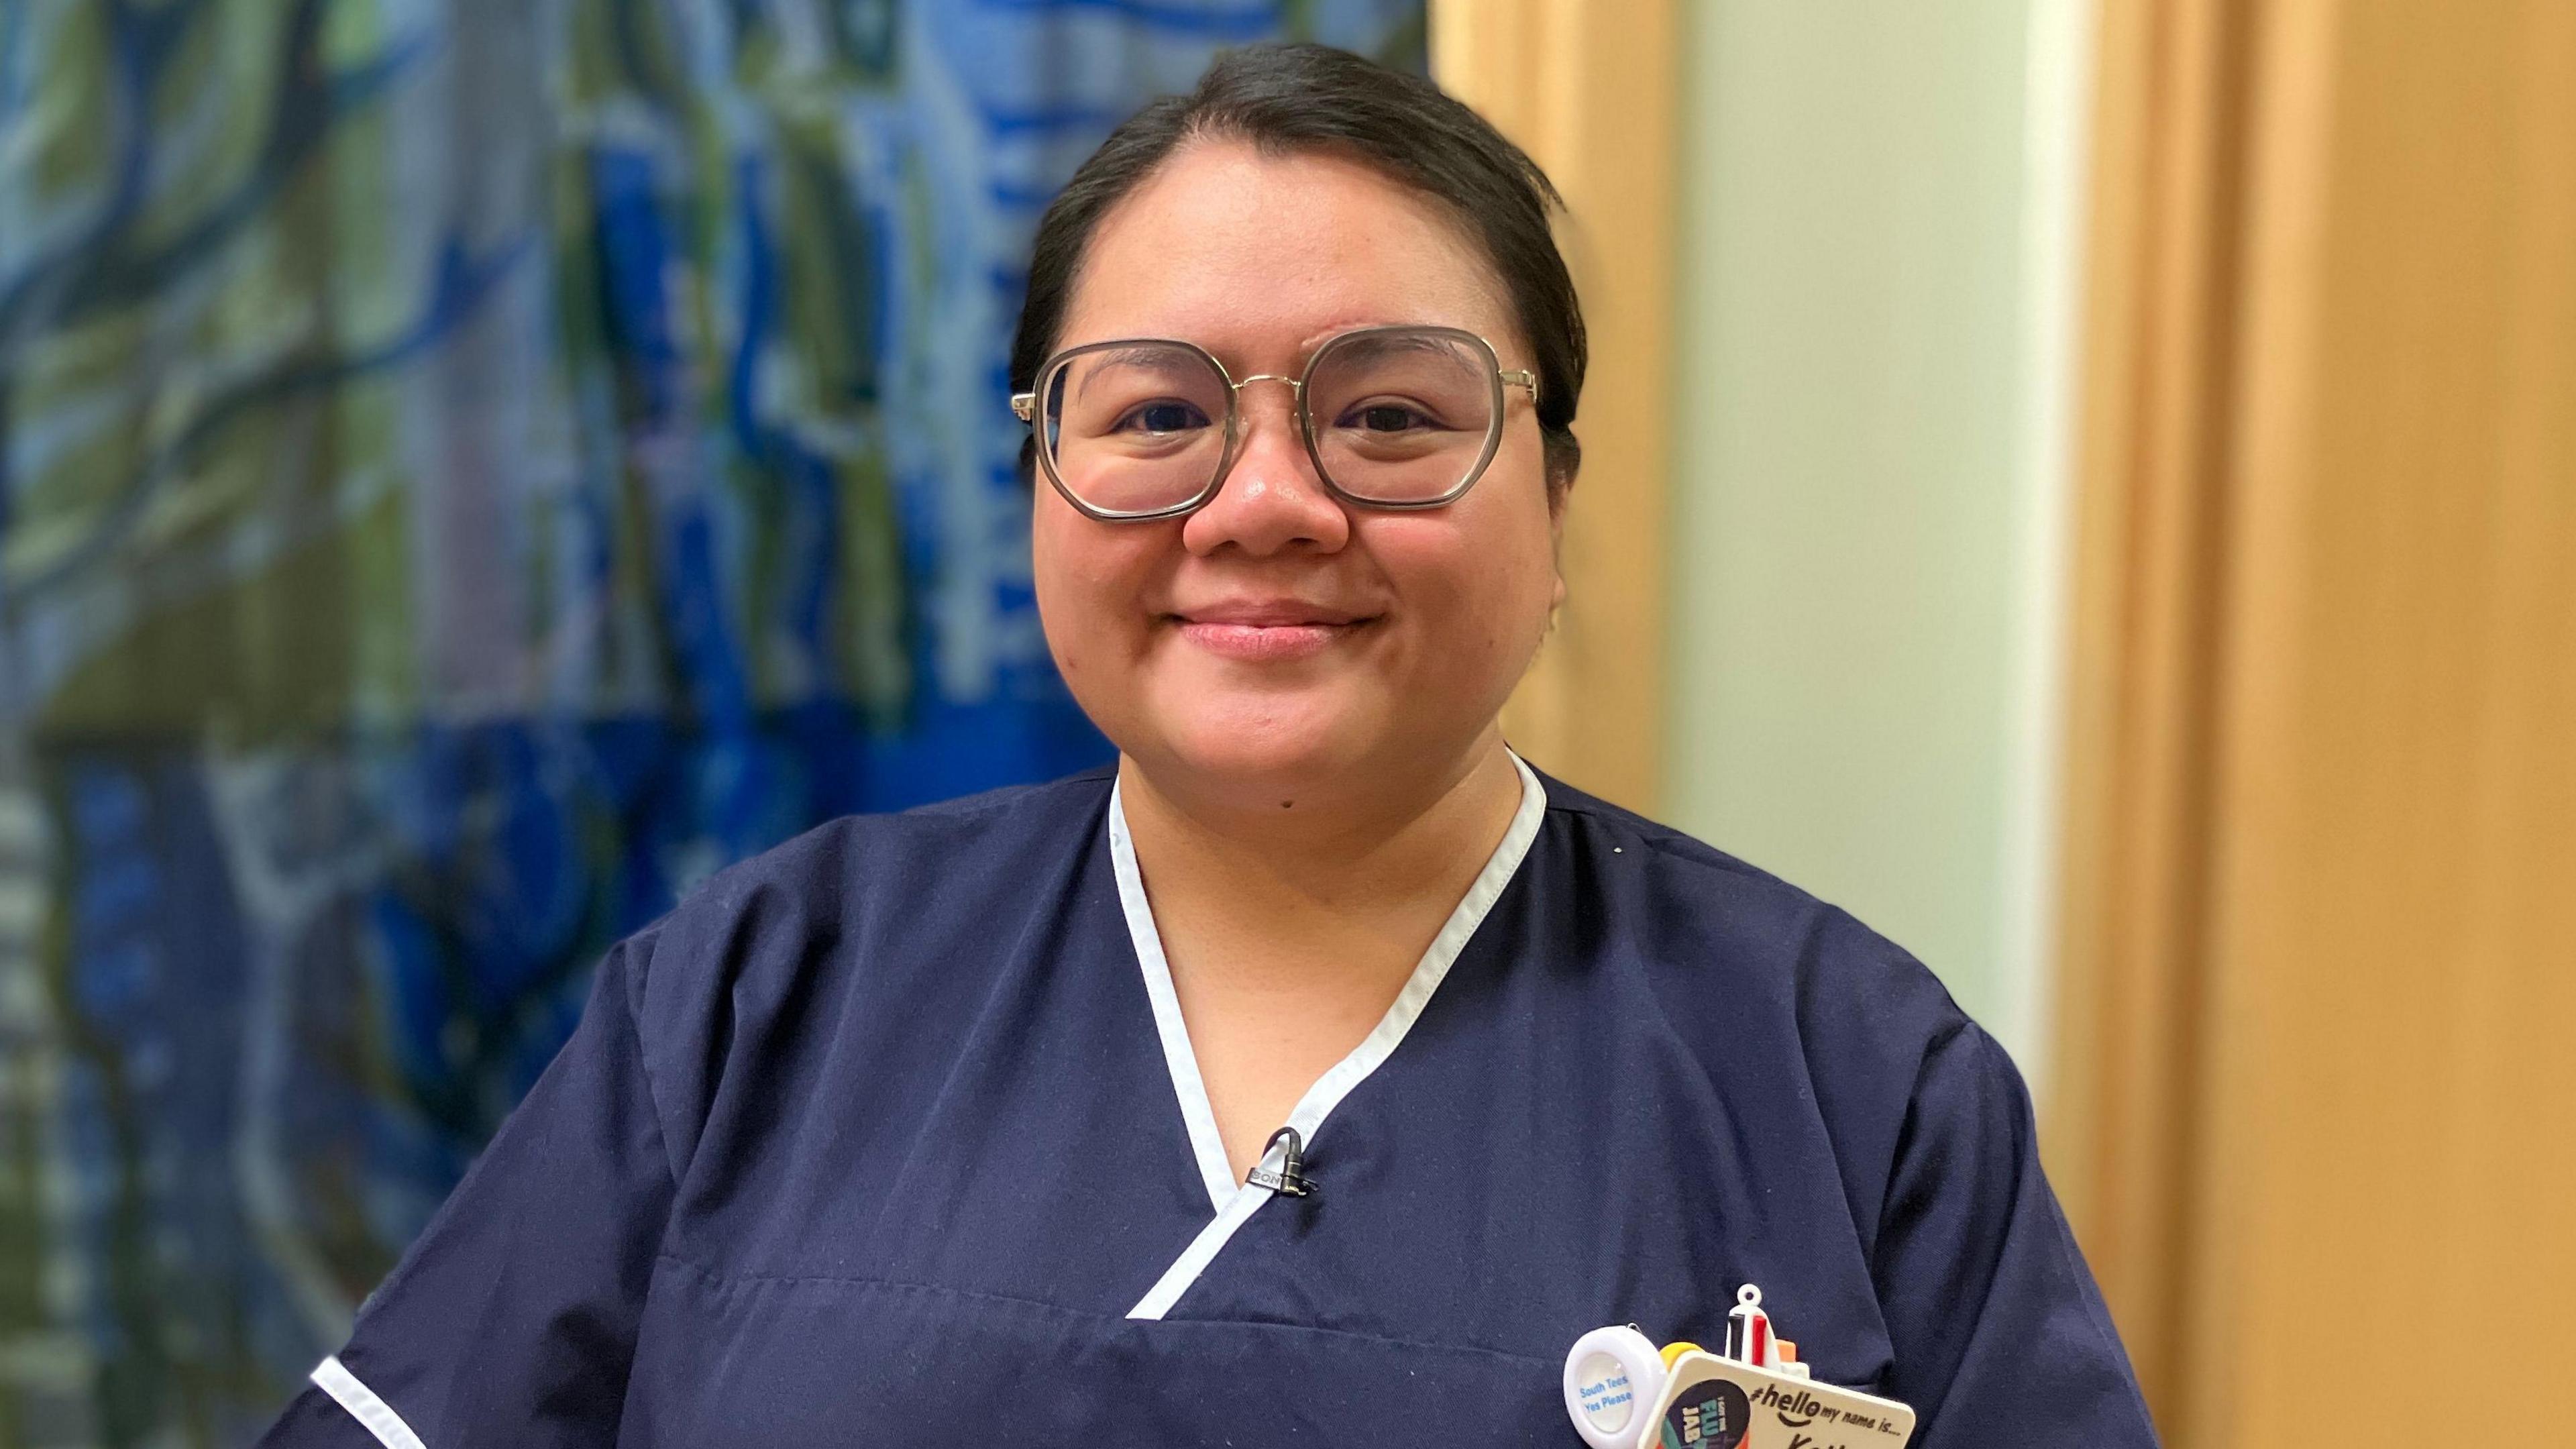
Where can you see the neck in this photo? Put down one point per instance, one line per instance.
(1346, 850)
(1290, 935)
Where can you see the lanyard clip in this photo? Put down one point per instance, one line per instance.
(1291, 1179)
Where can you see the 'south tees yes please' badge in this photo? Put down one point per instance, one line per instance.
(1624, 1393)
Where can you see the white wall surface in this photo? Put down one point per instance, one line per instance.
(1880, 216)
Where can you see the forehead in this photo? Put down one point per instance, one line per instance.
(1257, 257)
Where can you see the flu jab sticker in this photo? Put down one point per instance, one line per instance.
(1710, 1415)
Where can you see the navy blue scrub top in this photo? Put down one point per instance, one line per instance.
(893, 1135)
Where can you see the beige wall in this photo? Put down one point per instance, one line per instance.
(1879, 208)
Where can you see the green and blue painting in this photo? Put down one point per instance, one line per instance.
(468, 469)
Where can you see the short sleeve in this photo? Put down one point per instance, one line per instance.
(2001, 1338)
(512, 1320)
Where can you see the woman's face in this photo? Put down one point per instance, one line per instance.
(1277, 644)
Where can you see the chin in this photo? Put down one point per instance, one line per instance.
(1266, 747)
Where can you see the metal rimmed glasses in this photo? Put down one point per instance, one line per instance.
(1399, 417)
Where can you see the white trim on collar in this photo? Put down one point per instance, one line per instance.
(1235, 1203)
(1183, 1063)
(372, 1413)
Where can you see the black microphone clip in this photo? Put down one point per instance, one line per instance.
(1291, 1179)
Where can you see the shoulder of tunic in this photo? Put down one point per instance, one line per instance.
(1766, 933)
(804, 938)
(1847, 1022)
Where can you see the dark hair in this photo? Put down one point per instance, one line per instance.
(1290, 98)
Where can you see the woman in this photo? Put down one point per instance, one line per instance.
(1321, 1072)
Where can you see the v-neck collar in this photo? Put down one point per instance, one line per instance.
(1233, 1202)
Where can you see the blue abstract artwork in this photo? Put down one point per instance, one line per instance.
(468, 470)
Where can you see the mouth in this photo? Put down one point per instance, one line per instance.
(1263, 633)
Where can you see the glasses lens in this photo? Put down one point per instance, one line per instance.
(1137, 426)
(1402, 416)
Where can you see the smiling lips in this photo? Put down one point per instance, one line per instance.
(1262, 632)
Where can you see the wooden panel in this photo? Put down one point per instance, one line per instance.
(2156, 418)
(2397, 935)
(2321, 901)
(1593, 102)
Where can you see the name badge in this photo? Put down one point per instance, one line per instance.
(1624, 1393)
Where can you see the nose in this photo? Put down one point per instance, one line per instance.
(1272, 499)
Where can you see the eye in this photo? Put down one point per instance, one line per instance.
(1166, 415)
(1387, 417)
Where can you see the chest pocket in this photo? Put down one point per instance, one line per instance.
(791, 1362)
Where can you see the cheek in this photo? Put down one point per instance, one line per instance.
(1068, 594)
(1482, 591)
(1089, 578)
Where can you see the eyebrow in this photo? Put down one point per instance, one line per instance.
(1381, 343)
(1154, 357)
(1307, 345)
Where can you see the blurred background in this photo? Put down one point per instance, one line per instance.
(2088, 484)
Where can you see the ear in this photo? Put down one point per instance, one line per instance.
(1556, 540)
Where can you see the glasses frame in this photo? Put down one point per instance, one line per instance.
(1025, 406)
